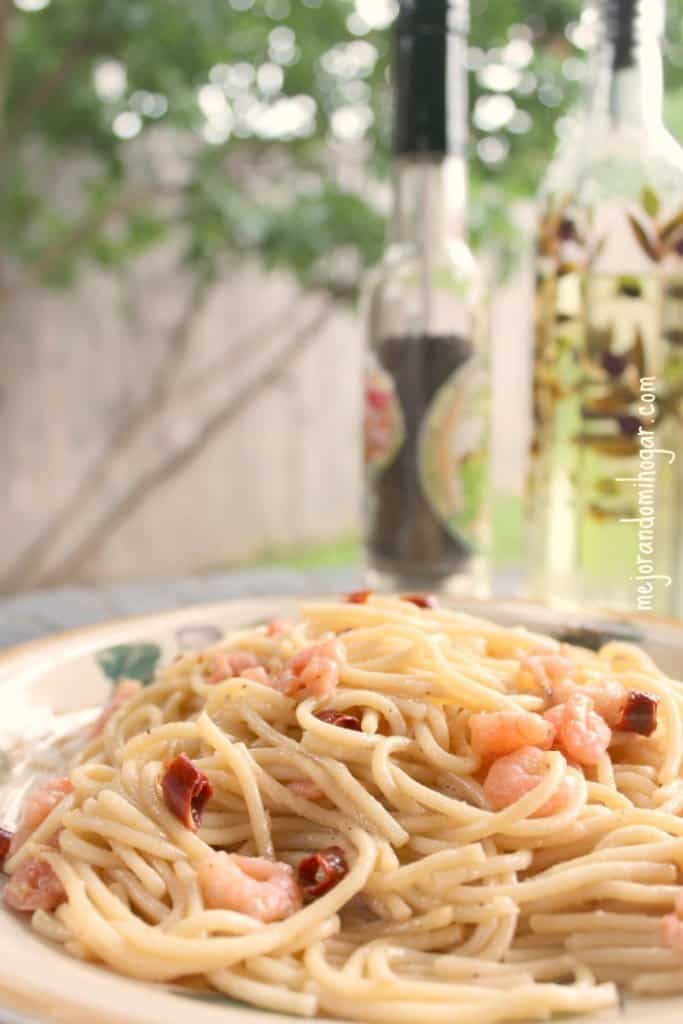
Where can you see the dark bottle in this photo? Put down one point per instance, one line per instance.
(426, 387)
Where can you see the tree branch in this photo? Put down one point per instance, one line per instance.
(53, 254)
(234, 357)
(27, 569)
(47, 86)
(24, 570)
(140, 490)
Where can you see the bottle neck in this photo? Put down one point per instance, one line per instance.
(430, 194)
(625, 87)
(429, 72)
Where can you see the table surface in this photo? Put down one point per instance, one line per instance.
(27, 616)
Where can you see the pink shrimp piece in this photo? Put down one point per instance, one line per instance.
(671, 927)
(125, 691)
(608, 697)
(37, 806)
(254, 886)
(671, 931)
(278, 626)
(313, 672)
(257, 674)
(513, 776)
(227, 664)
(546, 669)
(494, 734)
(624, 710)
(582, 734)
(307, 789)
(34, 886)
(609, 700)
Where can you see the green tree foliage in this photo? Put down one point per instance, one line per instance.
(249, 128)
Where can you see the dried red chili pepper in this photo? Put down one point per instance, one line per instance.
(340, 718)
(5, 840)
(639, 713)
(186, 791)
(358, 596)
(421, 600)
(320, 872)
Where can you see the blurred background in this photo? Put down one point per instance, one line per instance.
(191, 194)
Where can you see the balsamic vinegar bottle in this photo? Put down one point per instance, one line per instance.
(605, 495)
(426, 406)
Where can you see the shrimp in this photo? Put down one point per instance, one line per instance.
(313, 672)
(496, 733)
(546, 669)
(511, 777)
(257, 674)
(671, 930)
(608, 696)
(582, 734)
(227, 664)
(254, 886)
(37, 806)
(623, 710)
(125, 691)
(278, 626)
(671, 926)
(34, 886)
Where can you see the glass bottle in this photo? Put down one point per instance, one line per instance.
(426, 419)
(605, 485)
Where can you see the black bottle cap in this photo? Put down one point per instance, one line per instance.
(620, 24)
(626, 23)
(433, 15)
(429, 76)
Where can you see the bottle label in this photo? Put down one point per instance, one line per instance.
(383, 424)
(452, 449)
(426, 451)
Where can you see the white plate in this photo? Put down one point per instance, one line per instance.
(72, 672)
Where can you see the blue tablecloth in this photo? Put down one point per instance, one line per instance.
(27, 616)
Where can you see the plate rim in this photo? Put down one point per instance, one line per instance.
(24, 1007)
(79, 634)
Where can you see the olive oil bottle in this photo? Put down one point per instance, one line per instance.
(605, 488)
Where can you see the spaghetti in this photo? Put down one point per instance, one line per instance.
(383, 811)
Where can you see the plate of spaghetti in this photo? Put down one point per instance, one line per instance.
(375, 808)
